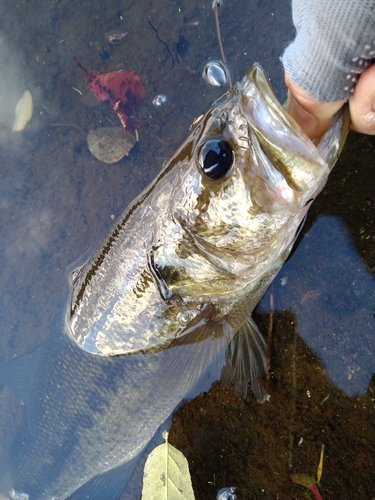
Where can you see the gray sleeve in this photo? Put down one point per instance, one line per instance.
(335, 42)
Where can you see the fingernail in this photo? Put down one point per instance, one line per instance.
(305, 120)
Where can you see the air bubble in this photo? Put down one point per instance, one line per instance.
(215, 73)
(226, 494)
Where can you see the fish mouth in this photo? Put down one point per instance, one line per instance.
(281, 138)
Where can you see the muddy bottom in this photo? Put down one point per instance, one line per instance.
(255, 447)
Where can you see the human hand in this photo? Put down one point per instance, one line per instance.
(314, 117)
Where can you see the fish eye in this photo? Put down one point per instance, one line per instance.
(216, 158)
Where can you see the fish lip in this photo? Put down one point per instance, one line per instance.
(279, 136)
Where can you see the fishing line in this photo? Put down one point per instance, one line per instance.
(215, 5)
(169, 52)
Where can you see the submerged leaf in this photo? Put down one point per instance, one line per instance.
(123, 89)
(109, 144)
(303, 480)
(308, 482)
(24, 111)
(166, 475)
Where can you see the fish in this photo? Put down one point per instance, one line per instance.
(163, 306)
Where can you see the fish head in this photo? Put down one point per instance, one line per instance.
(251, 174)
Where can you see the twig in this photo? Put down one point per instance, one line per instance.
(66, 125)
(269, 337)
(320, 466)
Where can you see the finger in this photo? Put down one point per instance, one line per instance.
(362, 103)
(314, 117)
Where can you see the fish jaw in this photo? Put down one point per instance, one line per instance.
(284, 142)
(251, 216)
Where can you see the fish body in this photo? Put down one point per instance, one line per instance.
(87, 415)
(166, 299)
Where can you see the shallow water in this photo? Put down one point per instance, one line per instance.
(57, 201)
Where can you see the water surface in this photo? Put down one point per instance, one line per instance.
(57, 201)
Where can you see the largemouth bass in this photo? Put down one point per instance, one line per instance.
(166, 300)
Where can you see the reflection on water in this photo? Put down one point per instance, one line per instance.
(334, 301)
(57, 201)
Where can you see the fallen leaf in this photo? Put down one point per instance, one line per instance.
(303, 480)
(24, 111)
(166, 475)
(109, 144)
(308, 482)
(123, 89)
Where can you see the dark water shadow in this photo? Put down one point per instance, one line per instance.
(335, 295)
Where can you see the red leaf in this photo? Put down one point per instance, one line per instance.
(123, 89)
(314, 489)
(307, 482)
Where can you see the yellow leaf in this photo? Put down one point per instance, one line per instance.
(166, 475)
(24, 111)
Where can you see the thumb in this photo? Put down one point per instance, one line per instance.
(313, 116)
(362, 103)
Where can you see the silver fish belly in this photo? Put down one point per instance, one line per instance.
(166, 300)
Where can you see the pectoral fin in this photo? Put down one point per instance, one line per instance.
(195, 357)
(246, 361)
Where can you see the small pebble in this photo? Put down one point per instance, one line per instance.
(159, 100)
(114, 37)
